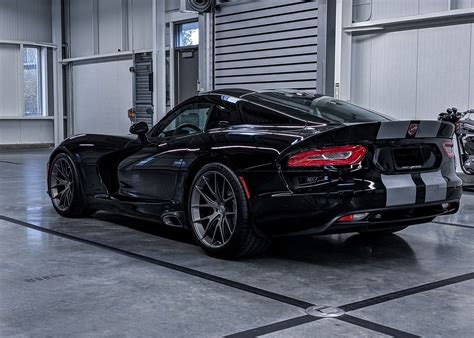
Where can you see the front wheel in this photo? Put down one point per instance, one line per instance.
(65, 188)
(219, 216)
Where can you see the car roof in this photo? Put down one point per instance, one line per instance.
(235, 92)
(240, 92)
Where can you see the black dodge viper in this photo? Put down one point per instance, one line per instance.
(238, 167)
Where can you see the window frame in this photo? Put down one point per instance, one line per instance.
(153, 134)
(40, 90)
(178, 29)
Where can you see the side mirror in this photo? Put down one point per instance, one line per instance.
(140, 129)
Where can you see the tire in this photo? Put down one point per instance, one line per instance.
(383, 232)
(219, 216)
(65, 188)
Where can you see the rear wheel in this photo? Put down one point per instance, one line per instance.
(219, 216)
(65, 188)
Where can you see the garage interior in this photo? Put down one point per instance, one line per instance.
(71, 67)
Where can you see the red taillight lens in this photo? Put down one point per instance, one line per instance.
(448, 147)
(333, 156)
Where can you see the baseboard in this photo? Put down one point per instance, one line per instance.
(26, 146)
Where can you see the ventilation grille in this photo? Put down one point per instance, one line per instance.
(143, 92)
(266, 45)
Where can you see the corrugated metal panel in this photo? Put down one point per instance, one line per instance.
(143, 92)
(266, 45)
(9, 80)
(34, 20)
(471, 83)
(141, 23)
(384, 9)
(82, 36)
(427, 80)
(395, 50)
(110, 26)
(26, 131)
(443, 80)
(8, 20)
(25, 20)
(102, 94)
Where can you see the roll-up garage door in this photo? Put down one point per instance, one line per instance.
(269, 44)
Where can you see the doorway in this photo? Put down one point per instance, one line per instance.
(186, 70)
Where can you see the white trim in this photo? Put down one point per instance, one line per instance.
(44, 82)
(172, 64)
(105, 56)
(58, 92)
(343, 51)
(29, 43)
(180, 16)
(413, 19)
(159, 60)
(21, 88)
(26, 117)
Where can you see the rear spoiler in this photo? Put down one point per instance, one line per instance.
(353, 133)
(414, 129)
(372, 131)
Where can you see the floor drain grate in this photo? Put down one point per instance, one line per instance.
(324, 311)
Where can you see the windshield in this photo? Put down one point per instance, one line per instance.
(315, 108)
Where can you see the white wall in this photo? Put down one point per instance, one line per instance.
(102, 96)
(26, 132)
(25, 21)
(105, 29)
(140, 24)
(81, 31)
(9, 80)
(414, 73)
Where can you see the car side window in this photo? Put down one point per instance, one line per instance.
(224, 114)
(189, 119)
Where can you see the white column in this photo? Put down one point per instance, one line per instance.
(58, 94)
(206, 49)
(159, 60)
(343, 49)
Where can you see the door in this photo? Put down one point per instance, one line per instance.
(151, 172)
(187, 73)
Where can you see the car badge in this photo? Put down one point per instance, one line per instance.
(412, 129)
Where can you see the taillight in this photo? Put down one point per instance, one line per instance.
(332, 156)
(448, 147)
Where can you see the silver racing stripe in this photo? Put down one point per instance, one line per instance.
(393, 129)
(436, 186)
(428, 129)
(401, 189)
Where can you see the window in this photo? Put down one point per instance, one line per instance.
(190, 119)
(315, 108)
(188, 34)
(32, 81)
(223, 114)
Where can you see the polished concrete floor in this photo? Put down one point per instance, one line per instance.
(110, 275)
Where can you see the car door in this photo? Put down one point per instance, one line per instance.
(151, 172)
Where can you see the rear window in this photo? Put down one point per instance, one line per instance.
(315, 108)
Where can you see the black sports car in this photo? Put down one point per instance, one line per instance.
(238, 167)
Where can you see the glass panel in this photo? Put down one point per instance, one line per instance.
(189, 120)
(188, 34)
(31, 81)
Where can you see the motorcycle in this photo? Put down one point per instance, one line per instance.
(464, 133)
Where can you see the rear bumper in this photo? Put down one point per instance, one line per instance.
(296, 214)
